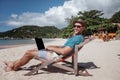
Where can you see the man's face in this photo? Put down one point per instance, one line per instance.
(78, 28)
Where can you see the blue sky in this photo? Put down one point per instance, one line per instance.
(16, 13)
(9, 7)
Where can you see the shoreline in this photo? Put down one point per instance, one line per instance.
(5, 46)
(12, 46)
(46, 42)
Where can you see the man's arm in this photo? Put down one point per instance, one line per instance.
(60, 50)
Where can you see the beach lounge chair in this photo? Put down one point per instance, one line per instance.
(54, 62)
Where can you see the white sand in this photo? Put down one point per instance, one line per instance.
(102, 54)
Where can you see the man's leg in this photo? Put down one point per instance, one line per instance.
(18, 63)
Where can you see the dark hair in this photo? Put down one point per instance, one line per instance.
(80, 21)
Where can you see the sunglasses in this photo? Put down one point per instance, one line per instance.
(78, 26)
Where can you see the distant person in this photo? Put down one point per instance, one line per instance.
(51, 51)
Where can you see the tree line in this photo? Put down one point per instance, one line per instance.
(94, 21)
(30, 31)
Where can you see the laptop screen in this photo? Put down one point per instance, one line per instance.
(39, 43)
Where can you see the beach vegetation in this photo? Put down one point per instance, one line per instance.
(94, 21)
(116, 17)
(118, 32)
(30, 31)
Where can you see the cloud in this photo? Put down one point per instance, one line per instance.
(56, 15)
(14, 15)
(109, 7)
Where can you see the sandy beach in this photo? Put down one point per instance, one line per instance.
(101, 59)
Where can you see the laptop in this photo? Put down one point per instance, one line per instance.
(39, 43)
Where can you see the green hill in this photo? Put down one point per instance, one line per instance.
(25, 32)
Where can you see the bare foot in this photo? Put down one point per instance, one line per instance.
(9, 66)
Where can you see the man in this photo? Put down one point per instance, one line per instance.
(51, 51)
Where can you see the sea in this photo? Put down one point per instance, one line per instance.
(22, 41)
